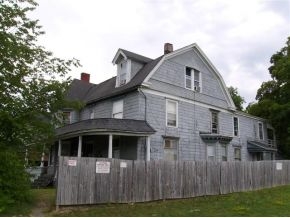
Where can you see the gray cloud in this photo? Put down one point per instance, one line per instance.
(238, 36)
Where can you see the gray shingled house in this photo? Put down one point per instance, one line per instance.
(174, 107)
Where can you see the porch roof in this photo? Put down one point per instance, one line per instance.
(255, 146)
(104, 125)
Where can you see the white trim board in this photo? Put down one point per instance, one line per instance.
(176, 98)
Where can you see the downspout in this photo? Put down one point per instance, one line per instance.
(140, 90)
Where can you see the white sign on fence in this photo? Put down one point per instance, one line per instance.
(103, 167)
(123, 165)
(72, 163)
(278, 166)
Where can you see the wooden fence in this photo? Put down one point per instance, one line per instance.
(82, 181)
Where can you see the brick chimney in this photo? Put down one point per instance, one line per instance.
(168, 48)
(85, 77)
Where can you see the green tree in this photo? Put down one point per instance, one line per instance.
(32, 86)
(238, 100)
(274, 98)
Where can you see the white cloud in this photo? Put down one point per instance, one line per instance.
(238, 36)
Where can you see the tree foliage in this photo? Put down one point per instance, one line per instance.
(32, 80)
(14, 181)
(274, 98)
(32, 87)
(238, 100)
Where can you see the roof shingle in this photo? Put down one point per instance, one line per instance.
(90, 93)
(107, 125)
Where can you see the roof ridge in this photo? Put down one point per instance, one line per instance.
(132, 54)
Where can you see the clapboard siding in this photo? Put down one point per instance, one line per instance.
(142, 181)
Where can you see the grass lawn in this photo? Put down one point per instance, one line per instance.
(267, 202)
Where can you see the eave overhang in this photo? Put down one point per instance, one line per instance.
(210, 137)
(106, 126)
(257, 146)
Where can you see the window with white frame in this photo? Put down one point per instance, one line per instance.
(118, 109)
(188, 78)
(237, 154)
(92, 114)
(260, 131)
(214, 122)
(224, 152)
(123, 72)
(171, 113)
(192, 79)
(123, 76)
(211, 152)
(66, 117)
(197, 80)
(236, 126)
(170, 149)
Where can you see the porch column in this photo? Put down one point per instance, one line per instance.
(110, 150)
(59, 148)
(148, 148)
(80, 146)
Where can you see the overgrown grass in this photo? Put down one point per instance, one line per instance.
(41, 199)
(267, 202)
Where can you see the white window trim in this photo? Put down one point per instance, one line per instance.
(238, 127)
(169, 100)
(127, 72)
(240, 153)
(200, 85)
(259, 131)
(218, 121)
(192, 79)
(177, 146)
(214, 147)
(226, 153)
(185, 79)
(115, 102)
(92, 114)
(69, 117)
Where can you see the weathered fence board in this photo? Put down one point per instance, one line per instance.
(139, 181)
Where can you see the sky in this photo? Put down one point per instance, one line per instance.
(238, 36)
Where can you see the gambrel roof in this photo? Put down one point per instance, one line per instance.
(96, 92)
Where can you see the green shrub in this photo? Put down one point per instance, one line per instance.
(14, 181)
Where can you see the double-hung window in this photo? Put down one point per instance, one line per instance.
(237, 154)
(170, 149)
(188, 78)
(261, 133)
(224, 152)
(197, 80)
(214, 122)
(123, 76)
(192, 79)
(118, 109)
(171, 113)
(66, 117)
(211, 152)
(236, 126)
(92, 114)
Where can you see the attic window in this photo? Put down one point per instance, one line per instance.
(123, 72)
(192, 79)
